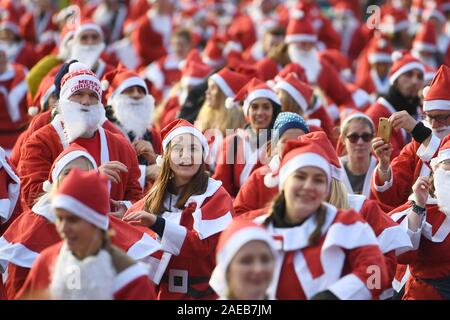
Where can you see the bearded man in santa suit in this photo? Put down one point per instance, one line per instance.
(80, 115)
(13, 114)
(301, 39)
(85, 266)
(392, 181)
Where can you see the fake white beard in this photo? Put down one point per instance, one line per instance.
(440, 132)
(442, 186)
(87, 54)
(11, 49)
(80, 120)
(134, 115)
(89, 279)
(309, 60)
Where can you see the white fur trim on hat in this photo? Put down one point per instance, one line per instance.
(357, 116)
(260, 93)
(79, 82)
(303, 160)
(407, 67)
(218, 278)
(298, 97)
(47, 95)
(185, 129)
(380, 57)
(129, 82)
(426, 47)
(59, 166)
(79, 209)
(191, 81)
(89, 26)
(300, 38)
(223, 85)
(436, 105)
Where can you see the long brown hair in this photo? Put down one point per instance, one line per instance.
(288, 104)
(154, 201)
(279, 208)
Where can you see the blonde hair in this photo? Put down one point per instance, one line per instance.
(288, 104)
(154, 201)
(338, 195)
(221, 117)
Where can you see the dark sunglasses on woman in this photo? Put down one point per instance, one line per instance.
(354, 137)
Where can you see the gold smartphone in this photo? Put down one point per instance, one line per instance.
(384, 129)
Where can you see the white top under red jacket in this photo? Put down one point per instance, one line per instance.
(373, 84)
(13, 109)
(236, 160)
(131, 282)
(412, 162)
(9, 191)
(367, 179)
(338, 262)
(429, 259)
(44, 146)
(189, 241)
(34, 231)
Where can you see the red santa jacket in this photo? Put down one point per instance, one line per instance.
(189, 241)
(171, 111)
(236, 161)
(32, 30)
(411, 163)
(9, 193)
(13, 110)
(132, 283)
(382, 108)
(372, 84)
(338, 262)
(429, 258)
(34, 231)
(26, 55)
(267, 68)
(44, 146)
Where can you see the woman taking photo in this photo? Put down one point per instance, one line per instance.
(357, 132)
(326, 252)
(187, 210)
(242, 152)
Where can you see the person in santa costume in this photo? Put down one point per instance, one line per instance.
(216, 115)
(164, 72)
(103, 271)
(17, 50)
(357, 132)
(9, 192)
(13, 115)
(301, 39)
(425, 218)
(272, 37)
(425, 46)
(245, 257)
(312, 232)
(132, 109)
(244, 151)
(376, 81)
(254, 194)
(392, 181)
(406, 79)
(187, 210)
(80, 115)
(34, 229)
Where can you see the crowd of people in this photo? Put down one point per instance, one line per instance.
(208, 149)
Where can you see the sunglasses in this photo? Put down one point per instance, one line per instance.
(354, 137)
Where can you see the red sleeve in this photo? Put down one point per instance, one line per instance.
(16, 278)
(139, 289)
(225, 171)
(37, 281)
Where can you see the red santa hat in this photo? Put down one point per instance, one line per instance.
(355, 114)
(77, 78)
(194, 73)
(181, 126)
(434, 9)
(118, 80)
(9, 23)
(213, 52)
(298, 90)
(229, 82)
(255, 89)
(292, 68)
(46, 88)
(426, 38)
(437, 96)
(402, 64)
(310, 150)
(394, 20)
(74, 151)
(86, 195)
(380, 51)
(232, 239)
(300, 29)
(344, 8)
(88, 24)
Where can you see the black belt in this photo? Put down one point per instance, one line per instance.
(193, 280)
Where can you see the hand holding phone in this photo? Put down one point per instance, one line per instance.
(384, 129)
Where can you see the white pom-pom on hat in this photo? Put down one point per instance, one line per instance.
(396, 55)
(104, 84)
(270, 181)
(297, 14)
(47, 186)
(32, 111)
(425, 91)
(230, 103)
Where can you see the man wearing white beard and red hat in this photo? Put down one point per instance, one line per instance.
(392, 181)
(85, 265)
(132, 111)
(80, 115)
(301, 39)
(425, 219)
